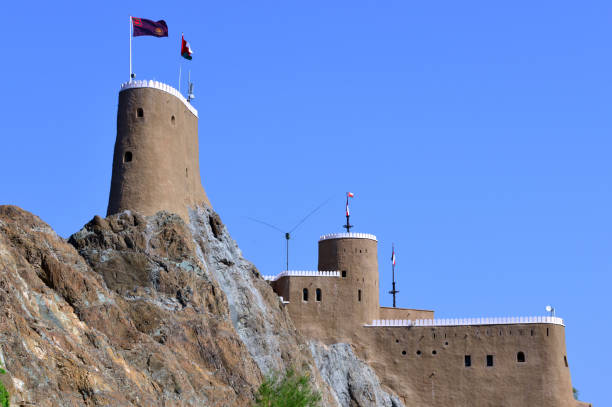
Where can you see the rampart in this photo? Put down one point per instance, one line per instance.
(434, 364)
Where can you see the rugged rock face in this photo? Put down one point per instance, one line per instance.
(353, 381)
(135, 310)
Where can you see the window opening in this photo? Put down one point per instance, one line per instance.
(172, 120)
(520, 357)
(403, 352)
(433, 352)
(418, 352)
(305, 294)
(565, 361)
(359, 295)
(343, 273)
(127, 157)
(468, 360)
(318, 294)
(489, 360)
(140, 112)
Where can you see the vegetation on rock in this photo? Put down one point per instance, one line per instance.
(4, 395)
(291, 390)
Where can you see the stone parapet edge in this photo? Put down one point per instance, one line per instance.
(160, 86)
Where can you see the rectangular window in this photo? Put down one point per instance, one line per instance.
(468, 360)
(489, 360)
(359, 295)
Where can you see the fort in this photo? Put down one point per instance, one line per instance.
(512, 361)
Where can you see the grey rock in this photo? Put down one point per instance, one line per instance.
(353, 382)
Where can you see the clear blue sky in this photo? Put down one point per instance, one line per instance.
(475, 135)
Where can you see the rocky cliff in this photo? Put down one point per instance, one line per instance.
(148, 311)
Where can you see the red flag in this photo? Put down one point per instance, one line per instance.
(185, 48)
(393, 255)
(348, 195)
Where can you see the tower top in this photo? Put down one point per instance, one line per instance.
(161, 86)
(348, 236)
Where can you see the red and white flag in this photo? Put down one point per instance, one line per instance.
(348, 195)
(393, 255)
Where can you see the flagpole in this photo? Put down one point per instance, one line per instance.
(130, 48)
(180, 69)
(393, 291)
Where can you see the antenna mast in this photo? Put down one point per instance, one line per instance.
(393, 291)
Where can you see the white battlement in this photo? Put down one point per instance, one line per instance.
(161, 86)
(466, 321)
(348, 236)
(302, 273)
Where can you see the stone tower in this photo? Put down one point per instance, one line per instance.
(355, 255)
(156, 159)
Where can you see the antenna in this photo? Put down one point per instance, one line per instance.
(288, 234)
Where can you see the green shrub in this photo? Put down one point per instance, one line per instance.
(4, 395)
(291, 390)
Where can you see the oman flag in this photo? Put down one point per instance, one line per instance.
(185, 49)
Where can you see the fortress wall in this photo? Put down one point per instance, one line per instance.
(327, 320)
(404, 313)
(164, 172)
(404, 359)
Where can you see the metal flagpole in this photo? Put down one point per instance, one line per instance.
(180, 69)
(130, 48)
(393, 291)
(348, 225)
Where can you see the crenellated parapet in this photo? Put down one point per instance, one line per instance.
(160, 86)
(467, 321)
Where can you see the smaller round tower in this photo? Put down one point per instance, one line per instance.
(355, 255)
(156, 161)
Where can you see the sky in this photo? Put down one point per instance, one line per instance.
(476, 137)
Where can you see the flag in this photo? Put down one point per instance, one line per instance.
(142, 26)
(348, 195)
(185, 49)
(393, 255)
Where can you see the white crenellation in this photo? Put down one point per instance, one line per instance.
(161, 86)
(348, 236)
(302, 273)
(466, 321)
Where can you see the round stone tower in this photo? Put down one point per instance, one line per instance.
(156, 160)
(355, 255)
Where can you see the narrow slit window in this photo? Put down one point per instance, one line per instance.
(305, 294)
(520, 357)
(565, 361)
(489, 360)
(318, 294)
(359, 295)
(172, 120)
(139, 112)
(127, 157)
(343, 273)
(467, 360)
